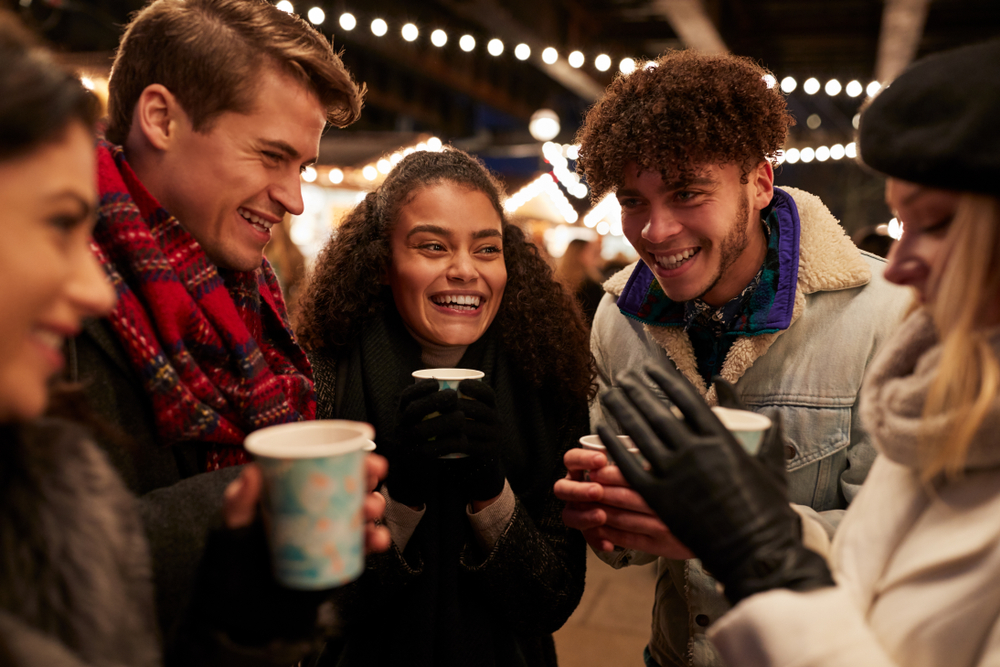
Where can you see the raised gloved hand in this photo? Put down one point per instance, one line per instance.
(478, 476)
(419, 439)
(718, 500)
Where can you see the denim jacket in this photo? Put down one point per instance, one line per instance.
(810, 371)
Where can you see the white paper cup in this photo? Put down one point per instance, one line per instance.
(748, 427)
(314, 488)
(448, 378)
(593, 443)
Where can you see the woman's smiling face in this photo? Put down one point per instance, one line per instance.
(446, 269)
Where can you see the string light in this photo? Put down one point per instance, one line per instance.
(316, 16)
(820, 153)
(336, 176)
(544, 184)
(370, 172)
(309, 174)
(383, 166)
(577, 59)
(895, 229)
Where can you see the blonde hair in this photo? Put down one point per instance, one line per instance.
(968, 377)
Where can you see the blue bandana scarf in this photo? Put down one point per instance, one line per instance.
(764, 306)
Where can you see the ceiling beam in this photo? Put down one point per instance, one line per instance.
(902, 26)
(692, 24)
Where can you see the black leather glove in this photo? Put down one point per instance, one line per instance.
(419, 440)
(722, 503)
(478, 476)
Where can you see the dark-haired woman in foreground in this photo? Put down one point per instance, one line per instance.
(914, 568)
(425, 273)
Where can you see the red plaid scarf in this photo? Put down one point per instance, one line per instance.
(217, 356)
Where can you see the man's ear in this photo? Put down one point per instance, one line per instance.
(156, 116)
(761, 180)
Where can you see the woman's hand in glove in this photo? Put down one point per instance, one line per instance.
(722, 503)
(478, 476)
(420, 438)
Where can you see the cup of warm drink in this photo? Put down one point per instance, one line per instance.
(448, 378)
(314, 489)
(594, 444)
(748, 427)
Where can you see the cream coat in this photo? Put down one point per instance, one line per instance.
(917, 568)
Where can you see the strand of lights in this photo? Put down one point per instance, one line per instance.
(556, 155)
(544, 184)
(602, 62)
(606, 216)
(820, 154)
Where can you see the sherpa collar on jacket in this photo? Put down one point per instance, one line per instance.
(827, 261)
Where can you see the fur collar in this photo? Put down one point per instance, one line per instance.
(828, 261)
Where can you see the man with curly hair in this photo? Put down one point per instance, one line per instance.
(737, 279)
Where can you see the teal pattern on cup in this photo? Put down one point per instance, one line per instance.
(314, 488)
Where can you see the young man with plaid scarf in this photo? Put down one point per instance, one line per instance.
(738, 279)
(215, 108)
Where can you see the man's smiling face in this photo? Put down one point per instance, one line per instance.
(228, 184)
(696, 236)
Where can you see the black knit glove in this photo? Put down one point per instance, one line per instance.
(477, 476)
(419, 440)
(722, 503)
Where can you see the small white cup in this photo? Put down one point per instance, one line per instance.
(594, 444)
(747, 427)
(448, 378)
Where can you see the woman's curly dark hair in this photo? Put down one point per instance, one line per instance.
(685, 111)
(539, 322)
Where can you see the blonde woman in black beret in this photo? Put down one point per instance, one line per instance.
(911, 577)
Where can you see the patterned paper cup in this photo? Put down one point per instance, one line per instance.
(593, 443)
(314, 488)
(448, 378)
(748, 427)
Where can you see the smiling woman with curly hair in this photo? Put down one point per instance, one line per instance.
(428, 272)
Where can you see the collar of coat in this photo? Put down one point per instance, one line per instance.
(827, 261)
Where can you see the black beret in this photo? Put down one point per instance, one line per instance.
(938, 123)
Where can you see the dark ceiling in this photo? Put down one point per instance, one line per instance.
(483, 102)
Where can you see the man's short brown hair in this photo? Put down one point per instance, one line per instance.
(683, 111)
(208, 53)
